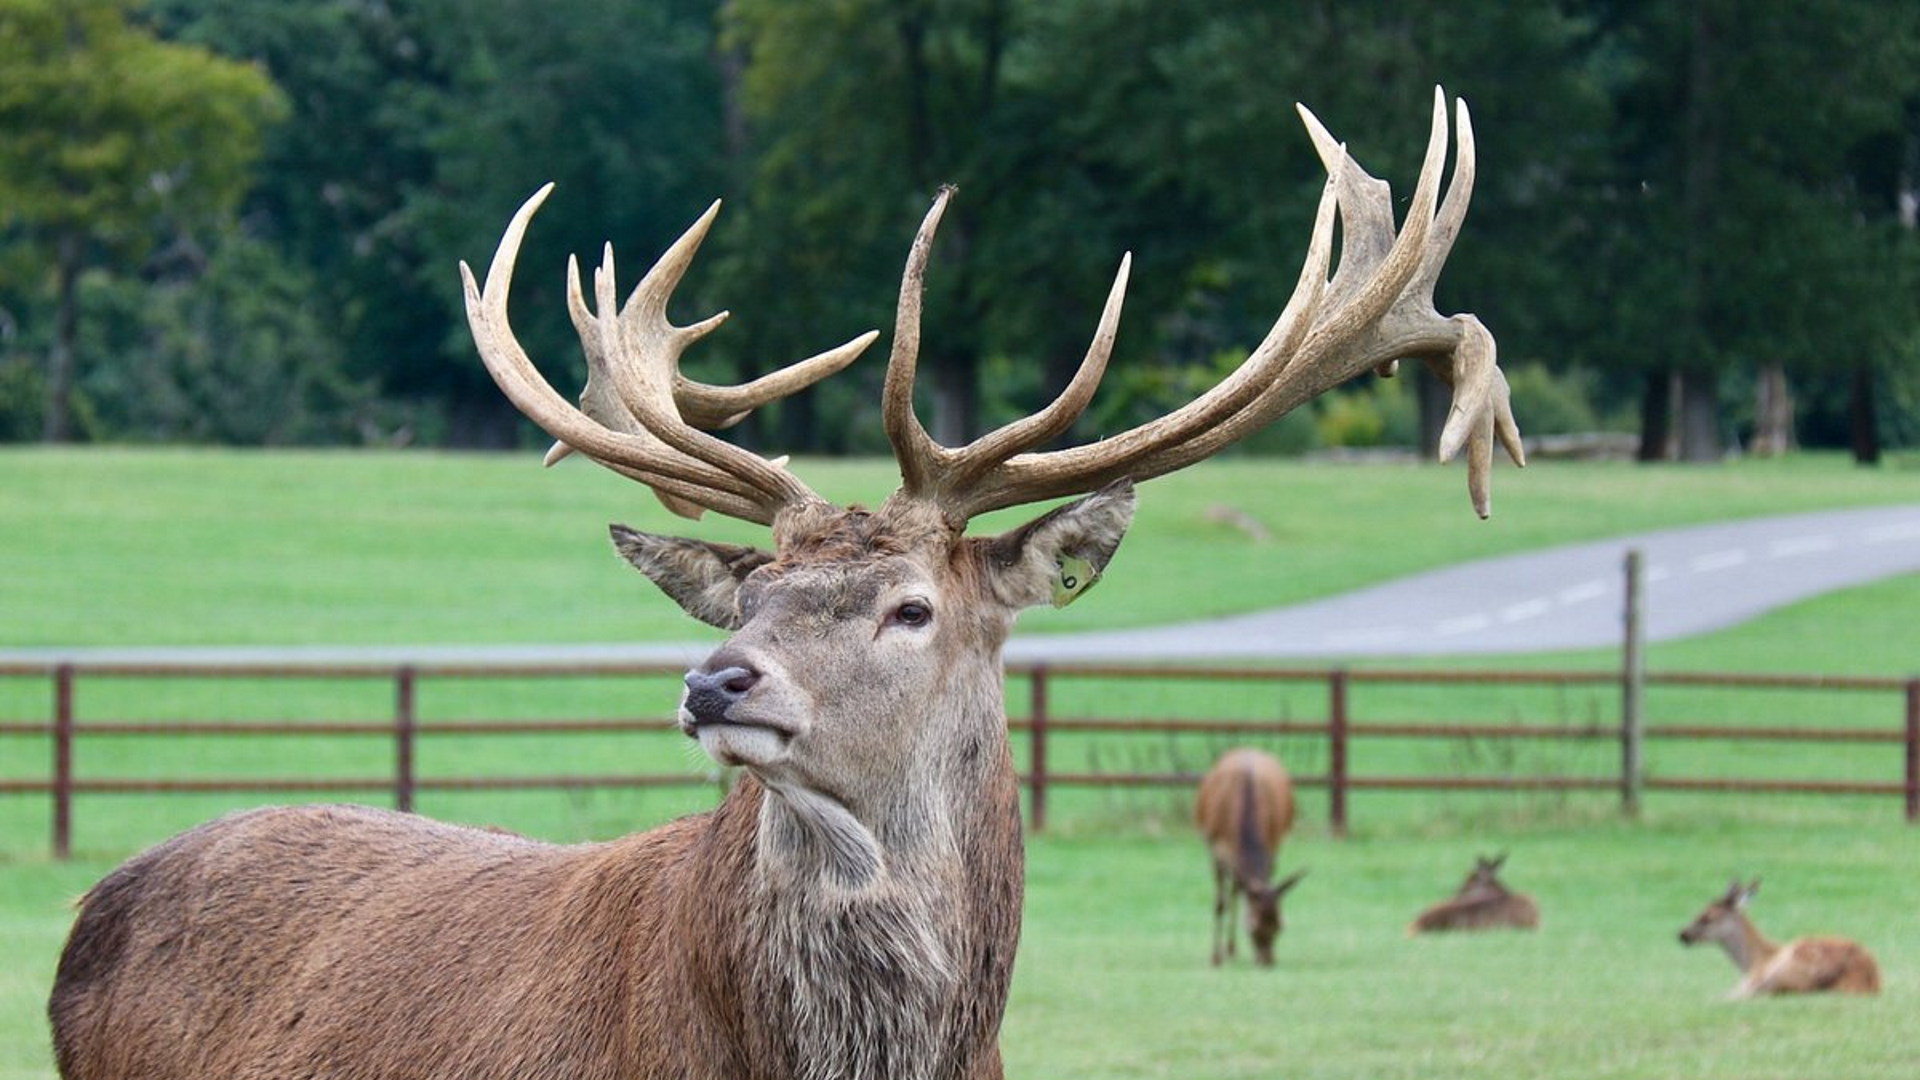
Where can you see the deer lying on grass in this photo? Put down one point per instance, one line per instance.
(1483, 902)
(852, 907)
(1807, 965)
(1244, 809)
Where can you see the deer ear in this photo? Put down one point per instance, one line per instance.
(1060, 554)
(1288, 882)
(703, 578)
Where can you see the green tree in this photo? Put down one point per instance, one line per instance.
(418, 127)
(1077, 129)
(232, 348)
(1192, 104)
(106, 133)
(1744, 236)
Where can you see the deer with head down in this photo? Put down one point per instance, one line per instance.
(1804, 965)
(1244, 808)
(852, 907)
(1483, 902)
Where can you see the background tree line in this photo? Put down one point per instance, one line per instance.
(225, 221)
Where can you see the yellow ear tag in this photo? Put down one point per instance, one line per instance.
(1076, 576)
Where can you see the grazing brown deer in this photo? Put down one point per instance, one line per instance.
(852, 907)
(1244, 809)
(1483, 902)
(1807, 965)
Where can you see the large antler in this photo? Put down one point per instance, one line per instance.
(1376, 308)
(638, 415)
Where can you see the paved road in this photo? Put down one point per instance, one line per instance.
(1697, 580)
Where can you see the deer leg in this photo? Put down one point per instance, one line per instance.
(1233, 914)
(1219, 909)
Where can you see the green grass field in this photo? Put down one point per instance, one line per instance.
(126, 547)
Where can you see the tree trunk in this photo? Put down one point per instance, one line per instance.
(57, 423)
(1434, 402)
(1656, 417)
(1772, 413)
(956, 398)
(1863, 421)
(1698, 425)
(1700, 416)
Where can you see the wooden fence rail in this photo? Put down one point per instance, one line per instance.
(1041, 726)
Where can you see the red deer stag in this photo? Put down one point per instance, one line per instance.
(1244, 809)
(852, 906)
(1483, 902)
(1807, 965)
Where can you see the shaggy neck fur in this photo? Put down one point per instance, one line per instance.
(881, 932)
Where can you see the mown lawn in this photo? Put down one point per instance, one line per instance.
(1113, 979)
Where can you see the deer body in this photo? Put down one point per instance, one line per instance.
(616, 964)
(1244, 809)
(1805, 965)
(851, 910)
(1483, 902)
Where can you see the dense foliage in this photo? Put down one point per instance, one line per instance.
(1686, 209)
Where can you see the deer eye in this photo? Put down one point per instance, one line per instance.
(912, 613)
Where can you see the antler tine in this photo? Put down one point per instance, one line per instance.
(918, 455)
(711, 407)
(1376, 308)
(631, 422)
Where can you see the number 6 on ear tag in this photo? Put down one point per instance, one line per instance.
(1076, 576)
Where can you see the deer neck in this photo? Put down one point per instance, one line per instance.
(888, 926)
(1746, 945)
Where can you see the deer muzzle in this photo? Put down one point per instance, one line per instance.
(711, 695)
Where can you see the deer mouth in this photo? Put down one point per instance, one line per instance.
(739, 740)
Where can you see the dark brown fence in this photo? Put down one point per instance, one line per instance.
(1895, 702)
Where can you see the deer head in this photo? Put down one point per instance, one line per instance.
(1722, 920)
(1264, 918)
(1485, 876)
(862, 680)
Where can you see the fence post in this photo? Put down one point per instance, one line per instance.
(63, 762)
(1913, 751)
(1633, 686)
(1337, 751)
(403, 733)
(1037, 749)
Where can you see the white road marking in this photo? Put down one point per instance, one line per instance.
(1374, 635)
(1526, 609)
(1465, 624)
(1718, 560)
(1587, 590)
(1800, 545)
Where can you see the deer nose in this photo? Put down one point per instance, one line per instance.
(711, 693)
